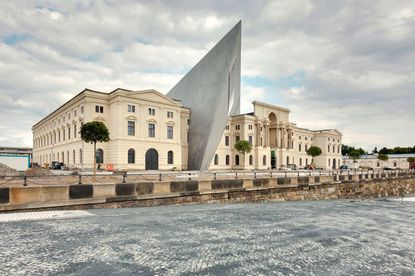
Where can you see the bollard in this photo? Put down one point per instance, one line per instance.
(123, 177)
(25, 180)
(236, 175)
(214, 176)
(80, 179)
(159, 176)
(190, 176)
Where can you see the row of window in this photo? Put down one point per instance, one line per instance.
(334, 148)
(305, 138)
(62, 157)
(56, 137)
(64, 118)
(238, 127)
(131, 157)
(237, 138)
(151, 111)
(227, 160)
(151, 130)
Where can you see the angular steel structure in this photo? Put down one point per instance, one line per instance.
(211, 90)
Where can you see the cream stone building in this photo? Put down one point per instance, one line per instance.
(144, 126)
(149, 131)
(277, 143)
(395, 161)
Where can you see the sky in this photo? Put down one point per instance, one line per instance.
(347, 65)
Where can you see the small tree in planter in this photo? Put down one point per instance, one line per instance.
(313, 151)
(411, 161)
(383, 157)
(243, 146)
(94, 132)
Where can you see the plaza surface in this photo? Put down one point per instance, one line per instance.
(310, 237)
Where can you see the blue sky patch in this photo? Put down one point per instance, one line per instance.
(15, 38)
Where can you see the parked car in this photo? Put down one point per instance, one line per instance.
(56, 165)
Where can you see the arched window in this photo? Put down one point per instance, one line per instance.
(251, 160)
(227, 160)
(216, 160)
(264, 160)
(99, 156)
(394, 164)
(170, 157)
(237, 160)
(131, 156)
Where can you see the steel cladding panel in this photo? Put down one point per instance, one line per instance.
(211, 90)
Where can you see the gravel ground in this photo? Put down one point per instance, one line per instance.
(313, 238)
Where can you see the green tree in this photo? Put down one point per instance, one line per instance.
(411, 161)
(383, 157)
(355, 154)
(93, 132)
(243, 146)
(313, 151)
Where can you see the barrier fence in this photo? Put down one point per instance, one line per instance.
(137, 177)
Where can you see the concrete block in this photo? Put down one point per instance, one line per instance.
(283, 180)
(205, 185)
(161, 187)
(248, 183)
(54, 193)
(125, 189)
(4, 195)
(317, 179)
(144, 188)
(25, 194)
(80, 191)
(104, 190)
(184, 186)
(260, 182)
(227, 184)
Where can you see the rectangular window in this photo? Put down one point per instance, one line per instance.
(69, 133)
(99, 109)
(188, 122)
(151, 130)
(169, 132)
(151, 111)
(63, 135)
(299, 147)
(305, 138)
(169, 114)
(238, 127)
(131, 128)
(250, 139)
(227, 141)
(237, 138)
(69, 116)
(82, 109)
(250, 127)
(131, 108)
(306, 147)
(74, 131)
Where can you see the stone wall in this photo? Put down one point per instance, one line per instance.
(85, 196)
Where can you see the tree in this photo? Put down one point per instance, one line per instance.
(313, 151)
(243, 146)
(355, 154)
(383, 157)
(93, 132)
(411, 161)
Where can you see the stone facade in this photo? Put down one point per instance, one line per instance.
(129, 115)
(269, 129)
(371, 161)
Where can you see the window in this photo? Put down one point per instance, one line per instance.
(237, 160)
(73, 156)
(299, 147)
(250, 127)
(305, 138)
(301, 162)
(80, 156)
(59, 136)
(69, 116)
(238, 127)
(151, 111)
(288, 160)
(169, 132)
(187, 137)
(250, 139)
(63, 118)
(378, 164)
(299, 137)
(227, 127)
(63, 134)
(334, 149)
(69, 133)
(170, 157)
(131, 108)
(151, 130)
(394, 164)
(99, 156)
(75, 113)
(226, 140)
(131, 156)
(237, 138)
(67, 157)
(188, 122)
(227, 160)
(251, 160)
(82, 109)
(216, 160)
(131, 128)
(306, 147)
(264, 160)
(328, 148)
(328, 139)
(329, 161)
(169, 114)
(99, 109)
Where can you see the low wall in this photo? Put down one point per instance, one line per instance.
(182, 192)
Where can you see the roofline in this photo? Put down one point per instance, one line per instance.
(271, 106)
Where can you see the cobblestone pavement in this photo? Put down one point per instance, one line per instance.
(313, 238)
